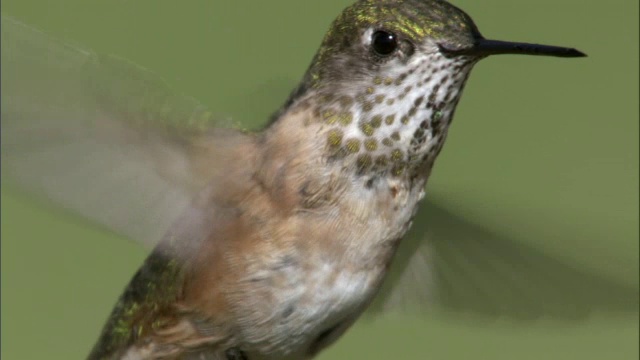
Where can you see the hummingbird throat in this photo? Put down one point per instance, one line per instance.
(395, 121)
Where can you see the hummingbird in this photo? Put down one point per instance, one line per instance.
(279, 238)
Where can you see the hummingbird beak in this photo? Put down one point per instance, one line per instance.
(484, 47)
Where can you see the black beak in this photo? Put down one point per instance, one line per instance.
(484, 47)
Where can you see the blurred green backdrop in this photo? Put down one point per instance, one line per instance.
(544, 150)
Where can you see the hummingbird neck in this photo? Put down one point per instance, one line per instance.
(383, 126)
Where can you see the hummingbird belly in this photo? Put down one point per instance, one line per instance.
(316, 295)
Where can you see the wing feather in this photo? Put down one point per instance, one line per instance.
(449, 263)
(103, 137)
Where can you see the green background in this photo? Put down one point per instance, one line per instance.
(544, 150)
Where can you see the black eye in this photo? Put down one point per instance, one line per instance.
(384, 43)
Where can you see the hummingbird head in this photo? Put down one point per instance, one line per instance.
(388, 76)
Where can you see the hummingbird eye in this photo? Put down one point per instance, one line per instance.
(384, 43)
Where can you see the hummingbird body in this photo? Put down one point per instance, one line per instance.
(303, 246)
(287, 243)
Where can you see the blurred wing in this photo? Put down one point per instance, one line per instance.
(449, 263)
(101, 136)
